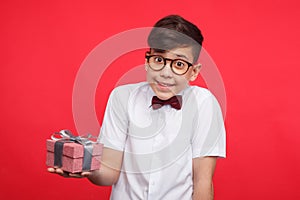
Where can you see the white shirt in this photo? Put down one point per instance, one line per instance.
(159, 145)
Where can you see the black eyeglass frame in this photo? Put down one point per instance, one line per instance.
(171, 64)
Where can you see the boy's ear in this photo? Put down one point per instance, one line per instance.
(195, 72)
(146, 64)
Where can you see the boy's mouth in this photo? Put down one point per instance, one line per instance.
(163, 85)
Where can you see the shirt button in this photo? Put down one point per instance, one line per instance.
(152, 183)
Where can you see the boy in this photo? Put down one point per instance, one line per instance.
(162, 137)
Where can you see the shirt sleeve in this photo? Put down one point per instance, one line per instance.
(113, 132)
(209, 138)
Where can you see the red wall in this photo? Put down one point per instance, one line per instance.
(255, 45)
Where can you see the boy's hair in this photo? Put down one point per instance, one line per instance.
(173, 31)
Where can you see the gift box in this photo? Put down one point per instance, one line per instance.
(73, 154)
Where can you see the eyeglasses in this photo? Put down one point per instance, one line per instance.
(178, 66)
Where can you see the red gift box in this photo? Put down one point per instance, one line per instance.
(73, 156)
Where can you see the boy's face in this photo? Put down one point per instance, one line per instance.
(165, 83)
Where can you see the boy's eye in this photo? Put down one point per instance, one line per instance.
(180, 64)
(158, 59)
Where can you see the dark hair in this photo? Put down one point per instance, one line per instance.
(173, 31)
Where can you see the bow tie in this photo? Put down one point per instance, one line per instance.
(174, 102)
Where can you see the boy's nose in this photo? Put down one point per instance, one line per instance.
(166, 71)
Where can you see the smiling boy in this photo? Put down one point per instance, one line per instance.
(162, 137)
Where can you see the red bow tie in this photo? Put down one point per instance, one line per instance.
(174, 102)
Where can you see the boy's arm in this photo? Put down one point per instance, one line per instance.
(203, 170)
(109, 172)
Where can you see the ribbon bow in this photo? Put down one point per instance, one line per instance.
(174, 102)
(66, 135)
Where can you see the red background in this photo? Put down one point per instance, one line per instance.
(255, 45)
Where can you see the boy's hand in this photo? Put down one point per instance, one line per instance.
(67, 174)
